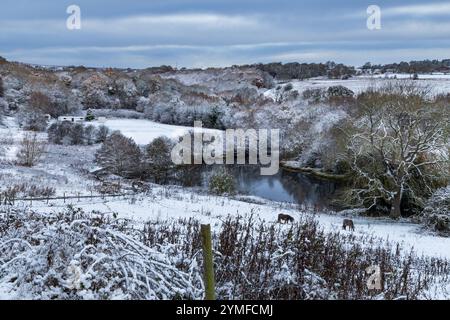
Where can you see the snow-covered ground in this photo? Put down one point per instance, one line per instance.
(62, 170)
(145, 131)
(430, 76)
(171, 202)
(10, 135)
(438, 83)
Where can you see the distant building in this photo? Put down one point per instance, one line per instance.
(71, 118)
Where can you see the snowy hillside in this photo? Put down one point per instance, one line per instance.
(97, 208)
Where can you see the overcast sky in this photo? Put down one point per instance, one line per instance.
(202, 33)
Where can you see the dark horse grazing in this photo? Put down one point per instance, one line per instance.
(348, 223)
(285, 218)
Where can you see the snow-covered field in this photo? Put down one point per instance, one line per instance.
(145, 131)
(172, 202)
(438, 83)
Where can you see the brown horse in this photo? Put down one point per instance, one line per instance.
(348, 223)
(285, 218)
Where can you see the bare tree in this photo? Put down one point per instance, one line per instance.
(89, 134)
(31, 150)
(120, 155)
(40, 102)
(77, 134)
(102, 133)
(398, 145)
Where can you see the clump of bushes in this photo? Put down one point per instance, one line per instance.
(222, 183)
(255, 259)
(436, 215)
(32, 120)
(68, 133)
(27, 190)
(340, 91)
(314, 95)
(78, 255)
(121, 156)
(75, 255)
(336, 95)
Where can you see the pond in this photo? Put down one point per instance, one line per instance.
(284, 187)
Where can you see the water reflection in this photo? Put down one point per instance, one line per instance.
(284, 186)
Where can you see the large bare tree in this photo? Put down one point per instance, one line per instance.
(399, 144)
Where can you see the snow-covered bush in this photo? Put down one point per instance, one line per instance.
(142, 104)
(222, 183)
(436, 215)
(74, 255)
(102, 133)
(69, 133)
(339, 91)
(25, 189)
(315, 95)
(118, 113)
(256, 259)
(32, 120)
(78, 255)
(90, 134)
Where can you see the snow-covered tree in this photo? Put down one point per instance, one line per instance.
(398, 147)
(120, 155)
(157, 159)
(95, 91)
(102, 133)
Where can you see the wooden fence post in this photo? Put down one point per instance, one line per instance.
(210, 292)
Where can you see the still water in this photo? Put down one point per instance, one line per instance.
(284, 186)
